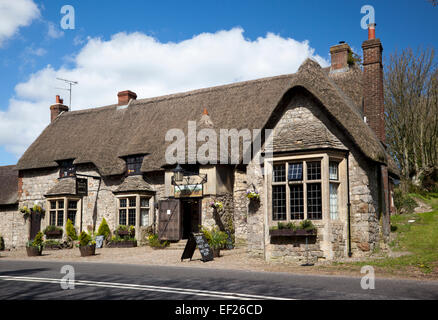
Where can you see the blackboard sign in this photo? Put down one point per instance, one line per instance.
(81, 187)
(197, 240)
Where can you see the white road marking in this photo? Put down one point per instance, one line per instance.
(206, 293)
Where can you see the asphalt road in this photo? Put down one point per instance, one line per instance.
(29, 280)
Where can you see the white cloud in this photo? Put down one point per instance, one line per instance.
(15, 14)
(53, 32)
(148, 67)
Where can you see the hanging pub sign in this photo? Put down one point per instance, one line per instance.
(188, 190)
(81, 187)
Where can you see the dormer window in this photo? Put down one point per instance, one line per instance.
(133, 164)
(67, 169)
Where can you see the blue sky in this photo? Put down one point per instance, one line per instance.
(26, 54)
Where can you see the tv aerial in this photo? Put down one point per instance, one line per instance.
(70, 83)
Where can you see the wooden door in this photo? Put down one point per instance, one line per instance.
(169, 220)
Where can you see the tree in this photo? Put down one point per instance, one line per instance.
(411, 105)
(434, 2)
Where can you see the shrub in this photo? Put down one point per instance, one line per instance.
(307, 225)
(216, 239)
(403, 202)
(154, 242)
(51, 229)
(37, 241)
(71, 231)
(104, 229)
(84, 239)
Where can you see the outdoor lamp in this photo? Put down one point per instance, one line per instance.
(178, 173)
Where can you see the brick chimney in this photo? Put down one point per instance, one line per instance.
(125, 97)
(57, 108)
(373, 105)
(339, 56)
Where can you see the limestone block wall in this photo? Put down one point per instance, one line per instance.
(13, 227)
(240, 209)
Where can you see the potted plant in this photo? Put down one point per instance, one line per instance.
(53, 232)
(125, 231)
(155, 243)
(25, 211)
(87, 246)
(218, 205)
(305, 228)
(253, 195)
(216, 239)
(35, 247)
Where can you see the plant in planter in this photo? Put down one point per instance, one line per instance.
(87, 246)
(104, 229)
(305, 228)
(155, 243)
(52, 245)
(253, 195)
(216, 239)
(125, 231)
(71, 231)
(35, 247)
(53, 232)
(25, 211)
(122, 242)
(218, 205)
(37, 209)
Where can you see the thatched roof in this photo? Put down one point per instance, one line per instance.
(8, 185)
(103, 135)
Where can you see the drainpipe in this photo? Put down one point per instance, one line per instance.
(348, 207)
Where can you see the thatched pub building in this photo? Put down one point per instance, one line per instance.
(329, 162)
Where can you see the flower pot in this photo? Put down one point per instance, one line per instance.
(216, 252)
(53, 234)
(122, 244)
(34, 251)
(89, 250)
(291, 233)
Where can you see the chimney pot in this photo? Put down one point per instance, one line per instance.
(57, 108)
(371, 31)
(125, 96)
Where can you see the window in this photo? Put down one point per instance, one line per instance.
(56, 214)
(67, 169)
(333, 171)
(134, 164)
(295, 171)
(72, 210)
(333, 201)
(144, 212)
(279, 202)
(127, 211)
(303, 191)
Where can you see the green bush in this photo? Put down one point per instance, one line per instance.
(154, 242)
(104, 229)
(307, 225)
(38, 240)
(403, 202)
(71, 231)
(216, 239)
(84, 239)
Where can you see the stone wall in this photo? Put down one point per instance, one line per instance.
(13, 227)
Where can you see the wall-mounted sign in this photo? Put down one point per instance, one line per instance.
(188, 190)
(81, 187)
